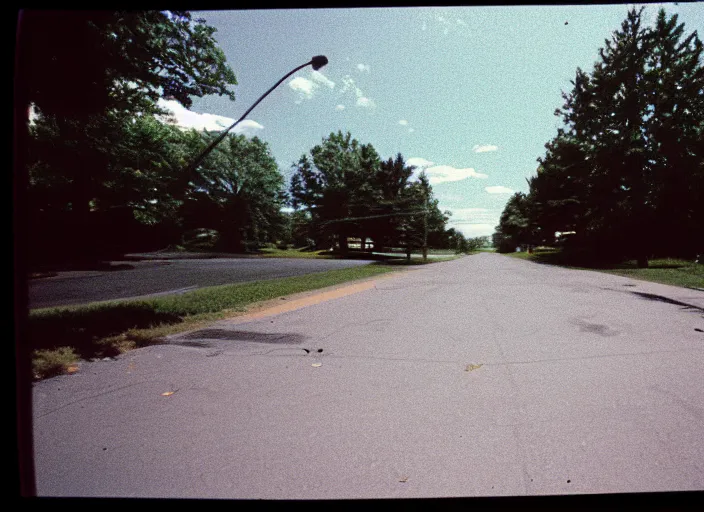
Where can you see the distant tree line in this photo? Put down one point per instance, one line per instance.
(624, 178)
(106, 173)
(344, 189)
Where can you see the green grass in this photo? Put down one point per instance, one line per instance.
(677, 272)
(59, 337)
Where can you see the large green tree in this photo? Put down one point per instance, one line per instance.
(625, 172)
(91, 74)
(674, 129)
(515, 228)
(335, 183)
(240, 194)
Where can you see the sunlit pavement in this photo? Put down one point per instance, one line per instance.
(483, 376)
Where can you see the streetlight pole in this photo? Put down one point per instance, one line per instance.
(316, 62)
(425, 228)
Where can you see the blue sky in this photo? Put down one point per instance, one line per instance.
(466, 93)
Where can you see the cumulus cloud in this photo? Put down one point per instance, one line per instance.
(363, 67)
(304, 87)
(308, 87)
(419, 162)
(349, 85)
(446, 173)
(247, 127)
(403, 122)
(322, 79)
(483, 148)
(340, 107)
(185, 119)
(498, 190)
(365, 102)
(33, 116)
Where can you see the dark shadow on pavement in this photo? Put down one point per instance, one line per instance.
(258, 337)
(660, 298)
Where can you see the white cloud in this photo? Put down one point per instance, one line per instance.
(304, 87)
(483, 148)
(340, 107)
(308, 87)
(247, 127)
(498, 190)
(365, 102)
(349, 85)
(403, 122)
(363, 67)
(419, 162)
(320, 78)
(446, 173)
(411, 130)
(33, 116)
(185, 119)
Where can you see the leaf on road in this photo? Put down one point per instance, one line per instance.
(168, 393)
(471, 367)
(403, 479)
(317, 365)
(72, 369)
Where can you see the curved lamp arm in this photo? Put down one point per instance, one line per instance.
(316, 62)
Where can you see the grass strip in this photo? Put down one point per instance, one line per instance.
(59, 337)
(672, 271)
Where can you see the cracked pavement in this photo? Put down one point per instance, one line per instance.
(483, 376)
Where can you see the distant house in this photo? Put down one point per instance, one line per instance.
(356, 243)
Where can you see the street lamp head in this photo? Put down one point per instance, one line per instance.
(318, 61)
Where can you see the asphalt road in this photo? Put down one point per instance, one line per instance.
(483, 376)
(160, 277)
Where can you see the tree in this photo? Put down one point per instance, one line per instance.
(626, 172)
(298, 230)
(118, 64)
(674, 131)
(240, 194)
(335, 184)
(559, 189)
(391, 181)
(514, 227)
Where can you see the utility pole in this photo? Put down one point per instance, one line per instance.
(425, 229)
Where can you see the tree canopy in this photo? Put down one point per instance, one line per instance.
(626, 172)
